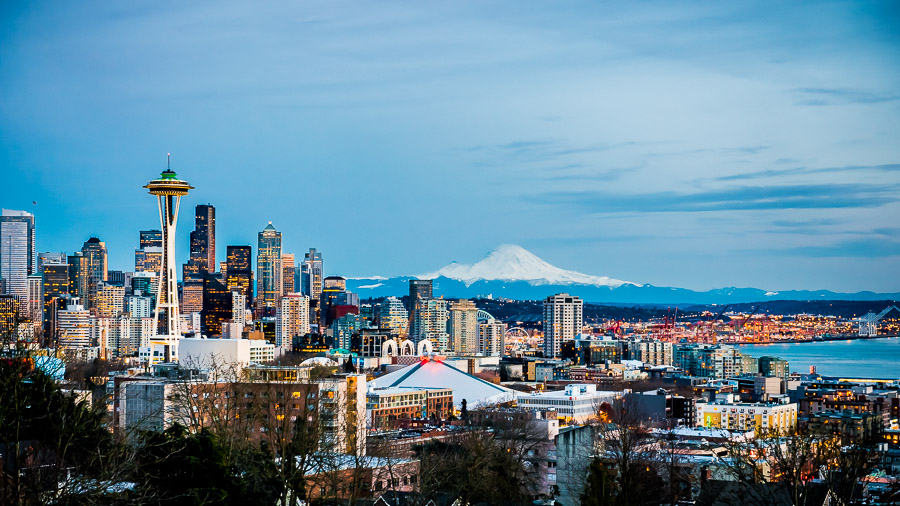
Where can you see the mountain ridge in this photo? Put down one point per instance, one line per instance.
(513, 272)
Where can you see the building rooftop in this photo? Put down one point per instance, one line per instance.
(434, 373)
(575, 390)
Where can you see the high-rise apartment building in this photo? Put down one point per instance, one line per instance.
(292, 319)
(110, 300)
(268, 268)
(18, 258)
(708, 361)
(312, 274)
(430, 322)
(239, 273)
(650, 351)
(94, 250)
(562, 321)
(393, 316)
(239, 312)
(203, 244)
(124, 334)
(491, 338)
(287, 273)
(464, 327)
(74, 326)
(139, 306)
(35, 308)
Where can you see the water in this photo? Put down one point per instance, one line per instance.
(857, 358)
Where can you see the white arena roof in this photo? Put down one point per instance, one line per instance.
(434, 373)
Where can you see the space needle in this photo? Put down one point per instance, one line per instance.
(168, 190)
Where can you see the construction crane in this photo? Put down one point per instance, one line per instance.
(739, 326)
(868, 324)
(615, 328)
(709, 336)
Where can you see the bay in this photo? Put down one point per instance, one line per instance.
(855, 358)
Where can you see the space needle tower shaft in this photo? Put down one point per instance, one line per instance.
(168, 190)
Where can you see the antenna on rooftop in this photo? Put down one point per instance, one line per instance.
(168, 161)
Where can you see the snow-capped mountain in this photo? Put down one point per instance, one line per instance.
(513, 272)
(514, 263)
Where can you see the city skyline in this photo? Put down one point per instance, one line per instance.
(752, 149)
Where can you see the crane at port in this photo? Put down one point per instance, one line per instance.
(739, 326)
(708, 332)
(868, 324)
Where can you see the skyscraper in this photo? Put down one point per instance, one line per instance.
(239, 273)
(94, 250)
(217, 300)
(18, 258)
(268, 269)
(9, 318)
(148, 257)
(49, 258)
(287, 273)
(464, 327)
(562, 321)
(311, 274)
(203, 244)
(35, 298)
(192, 295)
(150, 239)
(56, 285)
(419, 289)
(79, 275)
(168, 190)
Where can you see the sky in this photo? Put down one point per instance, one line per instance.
(697, 145)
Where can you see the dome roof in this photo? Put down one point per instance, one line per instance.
(323, 361)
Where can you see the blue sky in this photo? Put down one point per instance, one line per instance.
(682, 144)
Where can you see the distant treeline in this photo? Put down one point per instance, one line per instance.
(505, 309)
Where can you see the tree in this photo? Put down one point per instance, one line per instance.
(630, 453)
(56, 447)
(798, 465)
(598, 488)
(193, 469)
(497, 462)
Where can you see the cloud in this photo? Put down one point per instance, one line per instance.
(873, 247)
(889, 167)
(838, 96)
(822, 222)
(743, 198)
(543, 150)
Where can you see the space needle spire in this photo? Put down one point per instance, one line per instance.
(168, 190)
